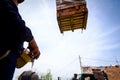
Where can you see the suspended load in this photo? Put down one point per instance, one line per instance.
(71, 14)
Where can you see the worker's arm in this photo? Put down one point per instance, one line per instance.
(34, 48)
(17, 26)
(14, 20)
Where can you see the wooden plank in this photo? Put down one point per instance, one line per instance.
(72, 18)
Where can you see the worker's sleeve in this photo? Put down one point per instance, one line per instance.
(16, 23)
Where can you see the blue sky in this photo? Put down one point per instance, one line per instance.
(98, 45)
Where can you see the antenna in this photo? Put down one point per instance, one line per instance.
(80, 64)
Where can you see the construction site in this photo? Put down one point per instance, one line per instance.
(71, 15)
(113, 72)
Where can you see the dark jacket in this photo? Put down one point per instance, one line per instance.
(13, 31)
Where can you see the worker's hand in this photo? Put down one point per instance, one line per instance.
(34, 50)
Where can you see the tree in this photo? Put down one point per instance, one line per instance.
(47, 76)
